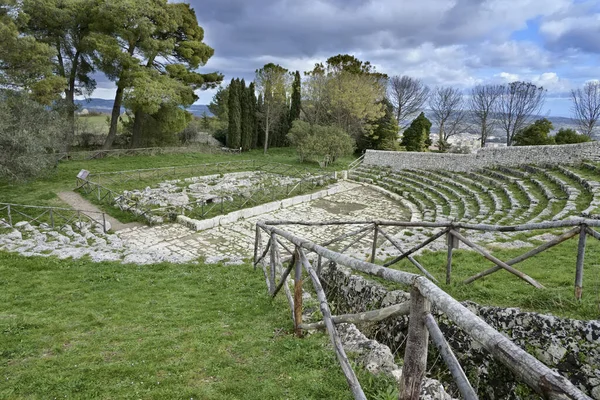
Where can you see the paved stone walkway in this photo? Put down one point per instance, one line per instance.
(234, 242)
(78, 202)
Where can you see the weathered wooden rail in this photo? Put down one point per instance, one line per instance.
(55, 217)
(424, 295)
(455, 233)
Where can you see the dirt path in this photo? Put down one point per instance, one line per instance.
(79, 203)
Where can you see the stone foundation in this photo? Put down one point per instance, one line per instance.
(571, 347)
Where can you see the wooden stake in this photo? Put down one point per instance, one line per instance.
(450, 240)
(465, 388)
(298, 295)
(369, 316)
(273, 263)
(374, 247)
(410, 258)
(558, 240)
(415, 355)
(417, 248)
(497, 261)
(333, 335)
(579, 265)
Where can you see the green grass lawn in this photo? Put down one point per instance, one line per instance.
(554, 268)
(43, 191)
(83, 330)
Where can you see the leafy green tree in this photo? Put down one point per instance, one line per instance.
(385, 134)
(416, 136)
(65, 25)
(26, 63)
(234, 130)
(319, 143)
(28, 130)
(570, 136)
(272, 81)
(535, 134)
(148, 47)
(345, 92)
(219, 105)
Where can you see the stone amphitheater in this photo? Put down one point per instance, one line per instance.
(499, 187)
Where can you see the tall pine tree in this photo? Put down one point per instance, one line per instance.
(260, 105)
(234, 131)
(246, 131)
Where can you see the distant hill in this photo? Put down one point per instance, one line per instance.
(105, 106)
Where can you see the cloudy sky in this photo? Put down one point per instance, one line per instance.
(553, 43)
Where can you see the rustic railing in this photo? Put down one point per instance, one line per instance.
(424, 294)
(55, 217)
(94, 184)
(146, 151)
(183, 171)
(356, 163)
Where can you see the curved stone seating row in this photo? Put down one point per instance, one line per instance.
(593, 209)
(436, 188)
(487, 213)
(413, 186)
(476, 210)
(500, 195)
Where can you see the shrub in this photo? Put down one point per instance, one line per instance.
(570, 136)
(320, 143)
(29, 134)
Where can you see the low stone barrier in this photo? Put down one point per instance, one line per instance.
(570, 346)
(486, 157)
(200, 225)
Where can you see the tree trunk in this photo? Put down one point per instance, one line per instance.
(114, 118)
(136, 139)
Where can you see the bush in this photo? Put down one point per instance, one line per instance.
(570, 136)
(320, 143)
(535, 134)
(29, 134)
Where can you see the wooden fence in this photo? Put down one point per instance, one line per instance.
(55, 217)
(424, 294)
(95, 185)
(146, 151)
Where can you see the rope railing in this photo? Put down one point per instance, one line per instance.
(55, 217)
(424, 295)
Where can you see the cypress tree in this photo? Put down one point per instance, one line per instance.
(235, 116)
(246, 133)
(296, 98)
(259, 118)
(251, 93)
(416, 136)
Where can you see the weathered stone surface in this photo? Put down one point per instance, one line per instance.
(572, 347)
(485, 157)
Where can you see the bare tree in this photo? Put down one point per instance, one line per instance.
(408, 96)
(482, 103)
(447, 108)
(586, 106)
(517, 102)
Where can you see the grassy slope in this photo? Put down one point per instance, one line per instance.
(43, 191)
(85, 330)
(555, 269)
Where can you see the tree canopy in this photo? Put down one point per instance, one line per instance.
(416, 136)
(535, 134)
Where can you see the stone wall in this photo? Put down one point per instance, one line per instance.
(485, 157)
(572, 347)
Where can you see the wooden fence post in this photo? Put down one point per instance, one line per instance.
(374, 248)
(51, 218)
(9, 216)
(273, 263)
(450, 241)
(580, 259)
(415, 354)
(298, 294)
